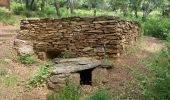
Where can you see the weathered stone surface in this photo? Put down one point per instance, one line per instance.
(77, 64)
(23, 47)
(57, 79)
(72, 68)
(99, 76)
(52, 85)
(56, 82)
(75, 78)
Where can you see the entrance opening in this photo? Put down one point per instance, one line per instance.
(52, 54)
(86, 77)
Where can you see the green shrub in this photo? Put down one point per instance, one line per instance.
(41, 14)
(17, 8)
(40, 77)
(7, 18)
(10, 80)
(49, 11)
(161, 66)
(69, 92)
(28, 13)
(27, 59)
(100, 95)
(159, 88)
(159, 28)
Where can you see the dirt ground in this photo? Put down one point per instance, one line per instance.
(8, 60)
(121, 79)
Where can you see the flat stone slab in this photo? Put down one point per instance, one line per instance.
(73, 65)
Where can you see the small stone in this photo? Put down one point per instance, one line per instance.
(27, 49)
(56, 79)
(8, 60)
(23, 47)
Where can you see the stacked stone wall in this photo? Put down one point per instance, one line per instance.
(82, 36)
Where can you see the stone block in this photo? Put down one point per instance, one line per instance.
(100, 76)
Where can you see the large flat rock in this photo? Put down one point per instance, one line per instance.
(73, 65)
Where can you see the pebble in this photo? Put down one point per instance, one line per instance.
(8, 60)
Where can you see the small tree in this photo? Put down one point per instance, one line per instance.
(135, 6)
(148, 6)
(120, 4)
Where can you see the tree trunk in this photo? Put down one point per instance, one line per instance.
(136, 13)
(145, 15)
(57, 7)
(46, 2)
(42, 5)
(94, 11)
(9, 5)
(125, 11)
(31, 5)
(94, 7)
(71, 5)
(27, 4)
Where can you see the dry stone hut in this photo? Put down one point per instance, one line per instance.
(83, 37)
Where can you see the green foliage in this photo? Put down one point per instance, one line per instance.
(3, 71)
(27, 59)
(161, 83)
(49, 11)
(8, 79)
(159, 87)
(40, 77)
(143, 81)
(69, 92)
(159, 28)
(17, 8)
(7, 18)
(100, 95)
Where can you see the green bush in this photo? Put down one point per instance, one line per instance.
(28, 13)
(159, 88)
(41, 14)
(161, 85)
(159, 28)
(69, 92)
(17, 8)
(27, 59)
(100, 95)
(40, 77)
(49, 11)
(7, 18)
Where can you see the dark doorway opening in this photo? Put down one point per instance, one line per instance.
(86, 77)
(53, 54)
